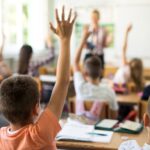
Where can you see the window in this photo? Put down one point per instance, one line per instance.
(14, 22)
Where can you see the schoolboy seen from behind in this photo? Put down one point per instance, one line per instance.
(19, 101)
(88, 85)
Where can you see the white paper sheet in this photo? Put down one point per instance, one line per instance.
(130, 145)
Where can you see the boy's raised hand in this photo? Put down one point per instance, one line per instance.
(129, 28)
(64, 31)
(64, 27)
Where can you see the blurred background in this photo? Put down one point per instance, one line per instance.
(27, 21)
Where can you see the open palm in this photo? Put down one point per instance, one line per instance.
(64, 27)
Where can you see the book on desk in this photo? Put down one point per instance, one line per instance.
(74, 131)
(124, 127)
(100, 132)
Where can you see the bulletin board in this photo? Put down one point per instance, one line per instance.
(110, 28)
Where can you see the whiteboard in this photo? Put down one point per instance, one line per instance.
(139, 38)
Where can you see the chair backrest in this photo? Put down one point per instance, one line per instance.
(110, 71)
(143, 108)
(103, 110)
(1, 78)
(43, 70)
(147, 73)
(39, 83)
(88, 105)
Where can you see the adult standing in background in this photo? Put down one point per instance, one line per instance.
(98, 38)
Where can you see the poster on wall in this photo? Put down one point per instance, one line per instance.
(109, 27)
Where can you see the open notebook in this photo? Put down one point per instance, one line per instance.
(80, 132)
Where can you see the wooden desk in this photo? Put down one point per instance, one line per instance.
(133, 99)
(130, 99)
(50, 78)
(113, 145)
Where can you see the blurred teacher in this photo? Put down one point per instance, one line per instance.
(98, 38)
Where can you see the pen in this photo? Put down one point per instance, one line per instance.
(92, 133)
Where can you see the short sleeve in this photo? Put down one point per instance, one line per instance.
(122, 75)
(78, 80)
(47, 125)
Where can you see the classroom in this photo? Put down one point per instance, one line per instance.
(74, 75)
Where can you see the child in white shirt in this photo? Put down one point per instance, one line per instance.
(88, 85)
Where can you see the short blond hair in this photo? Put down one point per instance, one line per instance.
(95, 11)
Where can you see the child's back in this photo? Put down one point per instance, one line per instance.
(34, 136)
(87, 83)
(95, 92)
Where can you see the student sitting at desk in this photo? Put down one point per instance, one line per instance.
(131, 71)
(25, 64)
(133, 145)
(89, 87)
(19, 101)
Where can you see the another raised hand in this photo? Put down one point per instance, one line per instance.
(86, 32)
(125, 45)
(129, 28)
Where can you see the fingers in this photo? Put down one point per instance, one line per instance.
(63, 13)
(63, 16)
(57, 16)
(69, 17)
(74, 18)
(52, 28)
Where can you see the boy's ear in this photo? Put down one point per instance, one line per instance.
(85, 72)
(36, 110)
(146, 120)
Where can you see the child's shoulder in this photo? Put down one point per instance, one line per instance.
(105, 85)
(3, 130)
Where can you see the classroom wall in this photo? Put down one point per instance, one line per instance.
(0, 18)
(139, 41)
(120, 13)
(40, 13)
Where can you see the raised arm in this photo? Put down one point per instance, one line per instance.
(85, 36)
(64, 31)
(125, 44)
(2, 46)
(108, 38)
